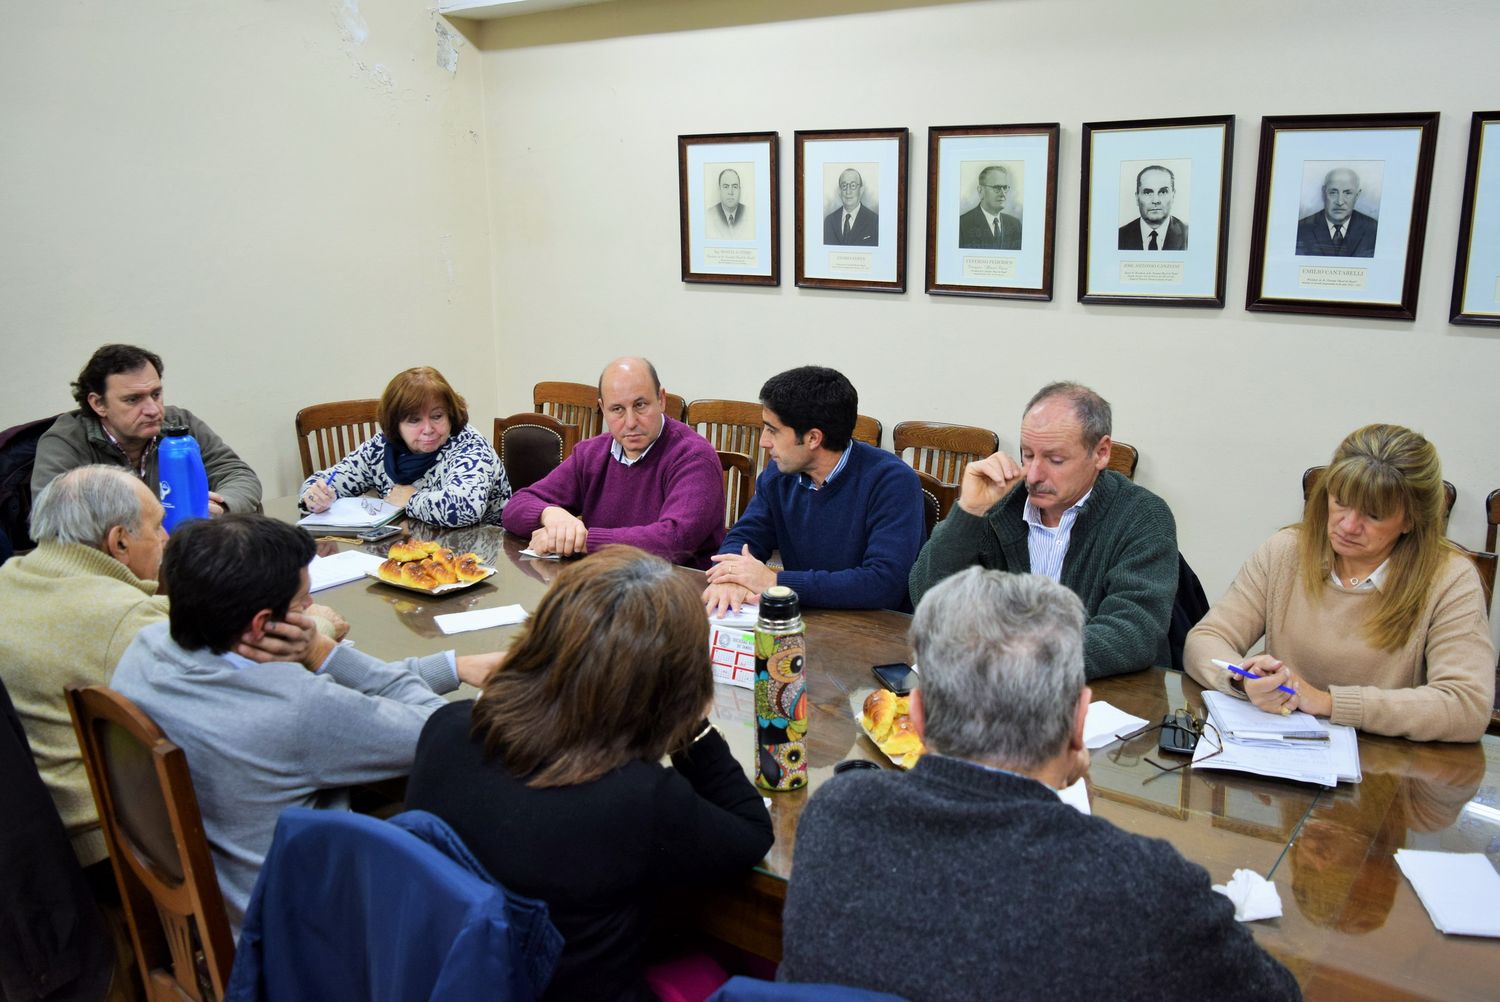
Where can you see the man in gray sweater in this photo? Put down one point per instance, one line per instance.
(263, 737)
(1076, 522)
(968, 877)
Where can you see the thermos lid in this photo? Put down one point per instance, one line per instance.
(174, 430)
(779, 602)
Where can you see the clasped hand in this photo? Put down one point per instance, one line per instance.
(1265, 695)
(561, 532)
(735, 579)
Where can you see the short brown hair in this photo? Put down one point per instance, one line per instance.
(410, 391)
(611, 668)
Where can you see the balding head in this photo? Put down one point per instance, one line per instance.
(631, 397)
(106, 508)
(1340, 192)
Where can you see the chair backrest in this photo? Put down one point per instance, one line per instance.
(1450, 494)
(151, 824)
(1484, 563)
(576, 404)
(17, 458)
(1492, 515)
(943, 450)
(868, 430)
(932, 505)
(334, 430)
(732, 426)
(739, 484)
(676, 407)
(532, 445)
(1122, 458)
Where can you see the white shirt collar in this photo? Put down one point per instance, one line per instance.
(1032, 515)
(618, 451)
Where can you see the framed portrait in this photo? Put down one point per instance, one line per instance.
(1340, 213)
(727, 186)
(1153, 224)
(1476, 273)
(991, 210)
(851, 209)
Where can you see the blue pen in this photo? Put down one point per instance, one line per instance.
(1248, 674)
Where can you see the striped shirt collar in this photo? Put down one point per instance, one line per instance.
(838, 468)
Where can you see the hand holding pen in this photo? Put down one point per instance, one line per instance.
(1272, 686)
(320, 494)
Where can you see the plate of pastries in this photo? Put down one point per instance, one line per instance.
(429, 567)
(886, 720)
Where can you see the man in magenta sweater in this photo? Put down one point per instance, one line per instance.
(846, 516)
(651, 482)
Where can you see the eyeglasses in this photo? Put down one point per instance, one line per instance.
(851, 186)
(1185, 729)
(996, 187)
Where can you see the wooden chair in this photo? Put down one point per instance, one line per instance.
(938, 497)
(578, 404)
(1122, 458)
(943, 450)
(531, 446)
(732, 426)
(739, 484)
(1484, 563)
(1450, 495)
(1492, 515)
(868, 430)
(335, 429)
(149, 814)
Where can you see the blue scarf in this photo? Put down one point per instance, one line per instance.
(406, 467)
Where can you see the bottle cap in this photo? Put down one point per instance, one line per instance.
(174, 430)
(779, 602)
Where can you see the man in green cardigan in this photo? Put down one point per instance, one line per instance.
(1087, 527)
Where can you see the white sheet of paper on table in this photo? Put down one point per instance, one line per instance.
(1105, 722)
(1458, 889)
(743, 618)
(1077, 795)
(340, 568)
(480, 619)
(529, 552)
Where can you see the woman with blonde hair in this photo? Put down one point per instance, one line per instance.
(1370, 616)
(554, 778)
(426, 458)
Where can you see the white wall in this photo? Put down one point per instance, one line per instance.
(285, 200)
(582, 112)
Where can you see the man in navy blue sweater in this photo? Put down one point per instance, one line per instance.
(846, 516)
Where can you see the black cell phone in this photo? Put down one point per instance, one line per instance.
(1178, 735)
(897, 677)
(378, 533)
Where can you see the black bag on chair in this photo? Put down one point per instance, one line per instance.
(1188, 606)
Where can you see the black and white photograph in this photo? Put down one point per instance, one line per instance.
(851, 209)
(728, 205)
(1340, 214)
(1476, 269)
(1154, 211)
(991, 210)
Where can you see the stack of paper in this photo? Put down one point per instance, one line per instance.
(352, 514)
(1106, 722)
(1298, 746)
(340, 568)
(1458, 889)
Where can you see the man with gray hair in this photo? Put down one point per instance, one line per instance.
(68, 610)
(992, 886)
(1112, 542)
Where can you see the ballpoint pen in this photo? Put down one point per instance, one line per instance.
(1246, 673)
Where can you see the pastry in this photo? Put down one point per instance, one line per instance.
(407, 550)
(468, 567)
(414, 573)
(441, 573)
(389, 571)
(880, 713)
(903, 740)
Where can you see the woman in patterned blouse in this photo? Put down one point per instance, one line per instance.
(426, 458)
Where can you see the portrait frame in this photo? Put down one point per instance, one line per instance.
(1294, 266)
(1188, 269)
(961, 259)
(872, 256)
(1476, 266)
(710, 252)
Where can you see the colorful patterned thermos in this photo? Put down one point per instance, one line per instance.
(780, 692)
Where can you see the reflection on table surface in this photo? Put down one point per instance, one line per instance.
(1352, 926)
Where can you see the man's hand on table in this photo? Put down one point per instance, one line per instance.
(475, 669)
(561, 532)
(987, 481)
(726, 598)
(740, 569)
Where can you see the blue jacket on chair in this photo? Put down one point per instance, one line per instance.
(351, 907)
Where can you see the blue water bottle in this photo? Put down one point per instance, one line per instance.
(179, 470)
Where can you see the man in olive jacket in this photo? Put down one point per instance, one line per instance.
(1113, 543)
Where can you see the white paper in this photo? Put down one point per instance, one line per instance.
(353, 513)
(731, 650)
(529, 552)
(1458, 889)
(744, 617)
(1106, 722)
(480, 619)
(1076, 795)
(1326, 763)
(340, 568)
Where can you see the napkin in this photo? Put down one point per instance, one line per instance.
(1077, 795)
(1254, 896)
(1458, 889)
(480, 619)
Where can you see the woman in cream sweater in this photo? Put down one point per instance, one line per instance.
(1368, 613)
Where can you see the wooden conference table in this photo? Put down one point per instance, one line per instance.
(1352, 926)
